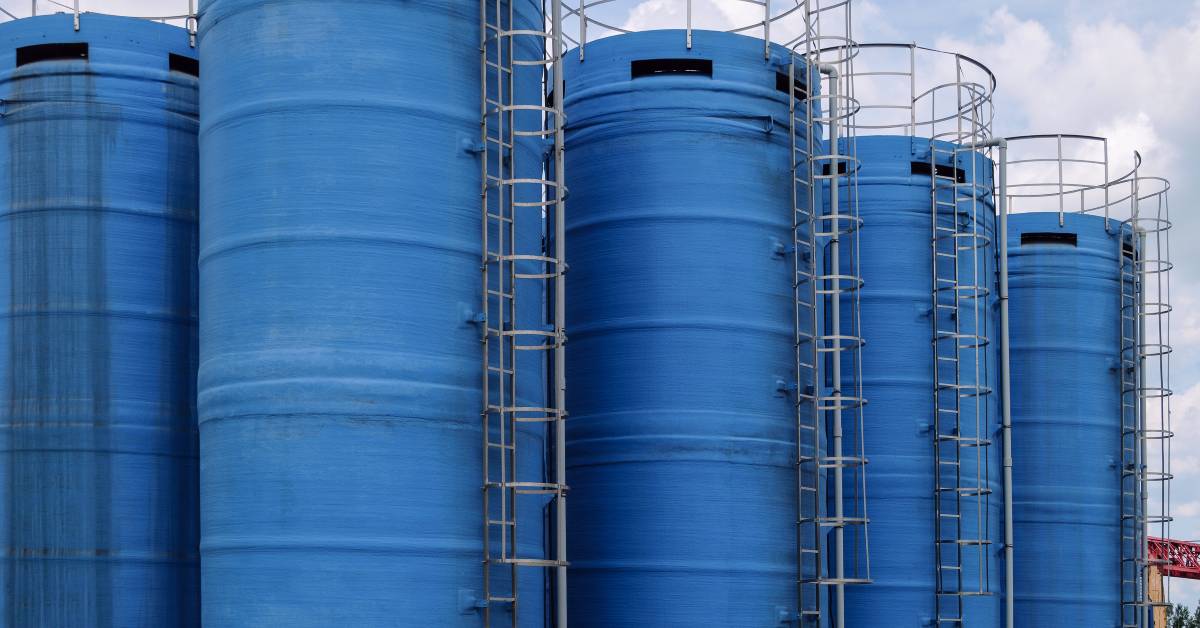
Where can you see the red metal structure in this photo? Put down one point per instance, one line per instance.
(1181, 559)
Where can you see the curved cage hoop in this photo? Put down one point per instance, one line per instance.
(907, 89)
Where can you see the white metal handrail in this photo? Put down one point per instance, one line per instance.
(781, 21)
(943, 95)
(38, 7)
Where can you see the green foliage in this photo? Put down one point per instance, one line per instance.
(1179, 616)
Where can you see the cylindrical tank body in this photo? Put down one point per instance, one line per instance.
(97, 421)
(896, 265)
(340, 288)
(1065, 301)
(681, 447)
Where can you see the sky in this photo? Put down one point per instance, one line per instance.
(1124, 70)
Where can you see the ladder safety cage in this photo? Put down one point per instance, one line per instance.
(188, 20)
(833, 548)
(1071, 173)
(963, 258)
(962, 347)
(947, 98)
(522, 194)
(1146, 432)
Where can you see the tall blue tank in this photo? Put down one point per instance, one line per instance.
(681, 449)
(341, 364)
(1065, 299)
(896, 265)
(98, 517)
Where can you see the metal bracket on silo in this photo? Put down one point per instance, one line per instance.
(469, 602)
(470, 145)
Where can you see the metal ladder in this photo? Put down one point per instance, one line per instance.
(831, 463)
(960, 349)
(522, 189)
(1133, 533)
(810, 494)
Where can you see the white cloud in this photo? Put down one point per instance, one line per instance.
(1107, 78)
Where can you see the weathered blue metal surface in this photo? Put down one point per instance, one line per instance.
(98, 512)
(898, 378)
(341, 367)
(1065, 300)
(681, 446)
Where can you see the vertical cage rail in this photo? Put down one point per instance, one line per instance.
(522, 189)
(1145, 390)
(834, 548)
(960, 315)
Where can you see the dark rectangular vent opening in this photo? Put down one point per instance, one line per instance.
(799, 89)
(187, 65)
(551, 98)
(924, 168)
(1056, 237)
(841, 168)
(51, 52)
(656, 67)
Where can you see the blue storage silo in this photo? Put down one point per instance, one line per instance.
(682, 446)
(98, 517)
(898, 320)
(1065, 299)
(341, 371)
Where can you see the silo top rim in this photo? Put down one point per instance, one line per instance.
(102, 41)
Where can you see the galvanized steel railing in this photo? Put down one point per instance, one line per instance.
(516, 196)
